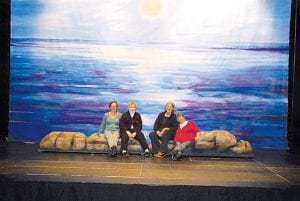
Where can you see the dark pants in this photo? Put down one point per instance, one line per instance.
(139, 137)
(160, 143)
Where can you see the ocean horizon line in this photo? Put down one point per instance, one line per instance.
(260, 46)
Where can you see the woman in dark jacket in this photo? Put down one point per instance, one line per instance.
(131, 128)
(164, 130)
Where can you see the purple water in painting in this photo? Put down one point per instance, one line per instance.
(66, 85)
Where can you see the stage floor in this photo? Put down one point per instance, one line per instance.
(268, 168)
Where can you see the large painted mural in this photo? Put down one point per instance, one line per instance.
(223, 63)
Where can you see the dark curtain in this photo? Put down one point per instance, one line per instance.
(294, 80)
(14, 190)
(4, 66)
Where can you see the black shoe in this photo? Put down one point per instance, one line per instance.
(177, 156)
(113, 151)
(146, 154)
(109, 152)
(174, 153)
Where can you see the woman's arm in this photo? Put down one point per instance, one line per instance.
(139, 123)
(173, 123)
(198, 137)
(123, 123)
(103, 124)
(156, 124)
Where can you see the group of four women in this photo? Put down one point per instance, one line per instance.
(167, 126)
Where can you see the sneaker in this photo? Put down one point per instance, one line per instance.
(125, 154)
(146, 153)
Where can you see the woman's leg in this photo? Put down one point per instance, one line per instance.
(114, 138)
(109, 138)
(155, 142)
(181, 146)
(124, 141)
(141, 138)
(164, 142)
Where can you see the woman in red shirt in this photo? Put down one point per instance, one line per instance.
(185, 135)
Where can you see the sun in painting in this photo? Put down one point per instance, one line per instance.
(151, 8)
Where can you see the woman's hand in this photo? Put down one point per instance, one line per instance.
(198, 137)
(159, 133)
(130, 135)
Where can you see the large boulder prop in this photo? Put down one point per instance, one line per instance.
(211, 143)
(242, 147)
(96, 143)
(221, 141)
(63, 141)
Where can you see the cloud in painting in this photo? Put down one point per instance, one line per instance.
(155, 21)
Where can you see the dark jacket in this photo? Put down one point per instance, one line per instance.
(126, 121)
(171, 123)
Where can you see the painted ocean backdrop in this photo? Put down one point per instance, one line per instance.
(67, 85)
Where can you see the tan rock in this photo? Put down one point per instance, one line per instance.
(48, 142)
(134, 148)
(64, 140)
(205, 141)
(96, 142)
(224, 140)
(242, 147)
(79, 142)
(133, 142)
(96, 138)
(207, 136)
(248, 147)
(90, 146)
(101, 147)
(217, 139)
(205, 145)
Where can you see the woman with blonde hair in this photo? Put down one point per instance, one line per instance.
(164, 129)
(131, 128)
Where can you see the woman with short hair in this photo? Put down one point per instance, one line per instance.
(164, 130)
(184, 136)
(131, 128)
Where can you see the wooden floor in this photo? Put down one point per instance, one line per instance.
(269, 168)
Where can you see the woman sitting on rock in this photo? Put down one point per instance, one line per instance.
(164, 129)
(131, 128)
(110, 127)
(185, 135)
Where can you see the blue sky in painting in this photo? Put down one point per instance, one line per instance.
(173, 20)
(171, 49)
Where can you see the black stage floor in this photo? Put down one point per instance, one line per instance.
(27, 174)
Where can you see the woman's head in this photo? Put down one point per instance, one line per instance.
(170, 107)
(113, 106)
(180, 117)
(131, 106)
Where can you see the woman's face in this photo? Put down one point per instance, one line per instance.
(169, 108)
(181, 119)
(131, 108)
(113, 107)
